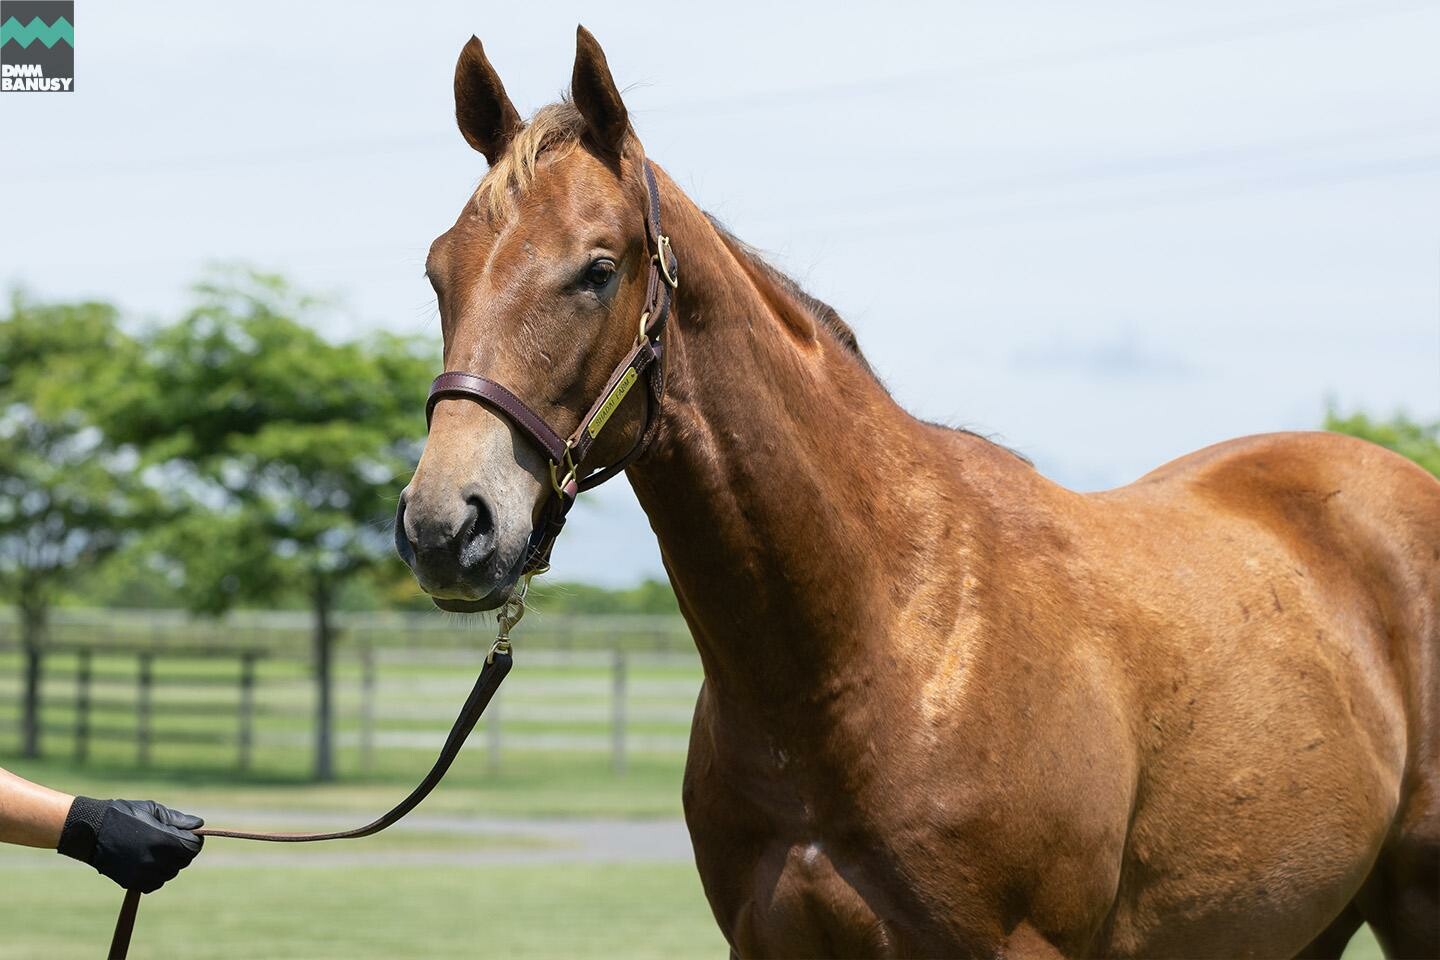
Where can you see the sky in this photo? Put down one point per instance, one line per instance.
(1104, 234)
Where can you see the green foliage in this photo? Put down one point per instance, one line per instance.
(236, 457)
(68, 494)
(136, 578)
(287, 449)
(1410, 438)
(649, 596)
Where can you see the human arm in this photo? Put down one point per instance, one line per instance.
(31, 815)
(139, 844)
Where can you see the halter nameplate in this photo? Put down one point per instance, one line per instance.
(612, 402)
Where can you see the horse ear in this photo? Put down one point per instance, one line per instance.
(486, 116)
(596, 97)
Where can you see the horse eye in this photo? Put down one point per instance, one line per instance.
(599, 273)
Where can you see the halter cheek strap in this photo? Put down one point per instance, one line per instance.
(567, 454)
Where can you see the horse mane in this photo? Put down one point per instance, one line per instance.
(827, 316)
(556, 128)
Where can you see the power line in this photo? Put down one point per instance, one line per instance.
(277, 156)
(357, 148)
(1099, 53)
(952, 219)
(1155, 165)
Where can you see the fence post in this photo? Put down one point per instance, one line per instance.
(367, 706)
(492, 736)
(617, 712)
(30, 704)
(247, 708)
(82, 705)
(146, 682)
(33, 638)
(324, 664)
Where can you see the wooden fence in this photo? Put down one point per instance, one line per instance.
(143, 690)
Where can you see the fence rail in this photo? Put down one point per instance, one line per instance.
(289, 630)
(149, 690)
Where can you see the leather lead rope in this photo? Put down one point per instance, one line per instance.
(124, 926)
(494, 671)
(566, 455)
(496, 667)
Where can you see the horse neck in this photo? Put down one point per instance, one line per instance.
(793, 499)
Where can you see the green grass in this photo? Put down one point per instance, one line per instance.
(54, 908)
(219, 908)
(60, 911)
(528, 785)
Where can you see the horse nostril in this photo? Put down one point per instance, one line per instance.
(482, 522)
(478, 536)
(404, 543)
(448, 543)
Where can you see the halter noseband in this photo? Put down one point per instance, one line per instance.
(567, 454)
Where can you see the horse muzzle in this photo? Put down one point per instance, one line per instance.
(455, 553)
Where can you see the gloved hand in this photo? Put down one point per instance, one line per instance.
(137, 843)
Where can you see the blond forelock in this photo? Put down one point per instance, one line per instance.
(553, 130)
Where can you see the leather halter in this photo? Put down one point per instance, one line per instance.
(567, 455)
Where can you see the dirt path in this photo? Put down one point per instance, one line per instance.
(534, 841)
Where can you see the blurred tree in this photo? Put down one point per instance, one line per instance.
(68, 494)
(646, 597)
(1418, 441)
(288, 449)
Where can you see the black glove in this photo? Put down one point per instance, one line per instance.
(137, 843)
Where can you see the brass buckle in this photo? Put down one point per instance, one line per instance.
(662, 257)
(511, 612)
(644, 319)
(558, 483)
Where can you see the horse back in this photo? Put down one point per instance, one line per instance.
(1361, 521)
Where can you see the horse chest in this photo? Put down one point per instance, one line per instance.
(872, 853)
(789, 881)
(793, 869)
(777, 881)
(800, 901)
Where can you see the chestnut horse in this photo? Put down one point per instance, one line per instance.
(950, 708)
